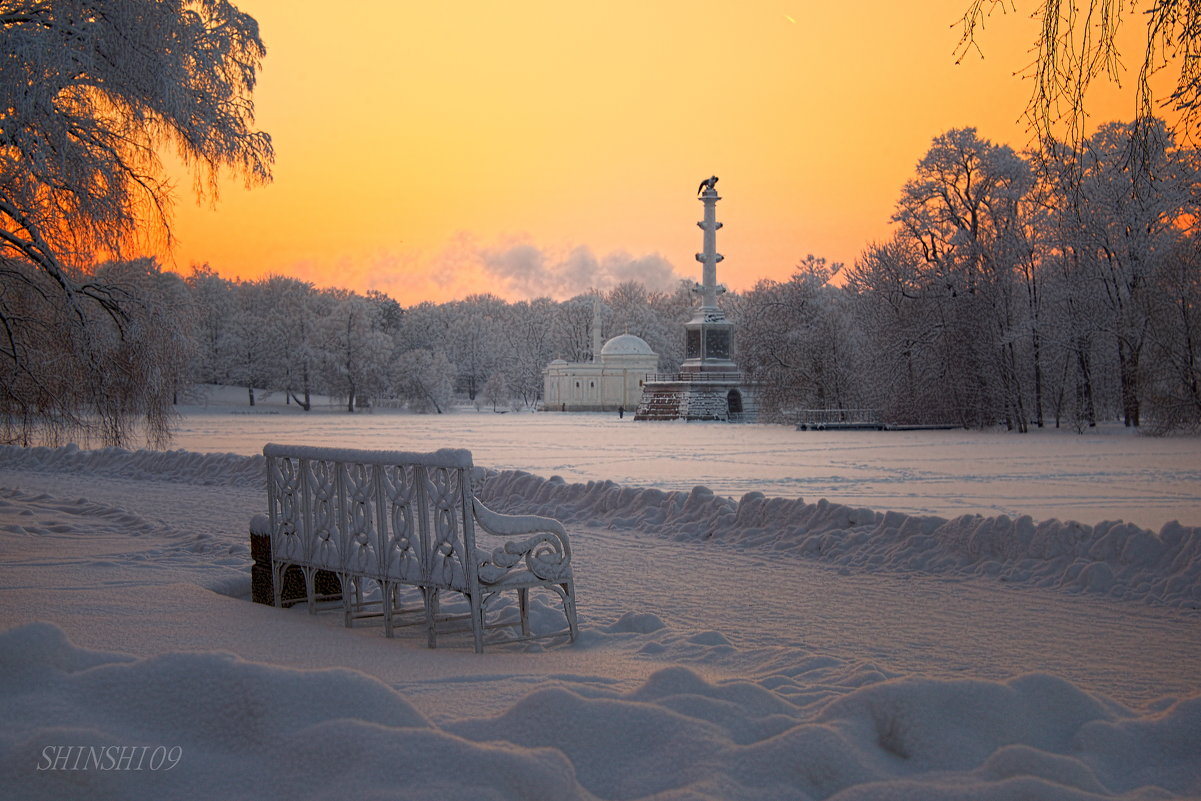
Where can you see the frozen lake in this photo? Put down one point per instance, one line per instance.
(1106, 474)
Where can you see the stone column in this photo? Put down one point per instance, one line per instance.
(709, 257)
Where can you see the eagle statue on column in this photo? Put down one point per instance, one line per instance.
(708, 183)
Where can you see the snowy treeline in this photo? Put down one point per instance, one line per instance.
(281, 334)
(1016, 289)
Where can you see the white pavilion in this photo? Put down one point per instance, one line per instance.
(613, 380)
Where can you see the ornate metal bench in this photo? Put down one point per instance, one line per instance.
(400, 520)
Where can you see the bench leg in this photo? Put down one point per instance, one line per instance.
(310, 588)
(523, 605)
(277, 582)
(431, 615)
(351, 597)
(477, 621)
(569, 608)
(387, 592)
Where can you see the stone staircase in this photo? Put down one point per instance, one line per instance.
(660, 404)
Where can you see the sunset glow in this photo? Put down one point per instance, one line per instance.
(431, 150)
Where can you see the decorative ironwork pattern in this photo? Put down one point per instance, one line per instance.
(322, 524)
(357, 518)
(284, 505)
(400, 545)
(445, 555)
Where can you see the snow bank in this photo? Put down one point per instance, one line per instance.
(208, 469)
(1116, 559)
(215, 726)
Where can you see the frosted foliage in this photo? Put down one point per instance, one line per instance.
(89, 94)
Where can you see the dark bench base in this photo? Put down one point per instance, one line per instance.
(262, 590)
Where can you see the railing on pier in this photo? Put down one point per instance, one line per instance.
(695, 378)
(822, 419)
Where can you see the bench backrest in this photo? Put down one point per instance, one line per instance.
(389, 515)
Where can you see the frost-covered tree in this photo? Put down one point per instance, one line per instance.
(673, 309)
(799, 344)
(426, 325)
(425, 379)
(496, 391)
(1174, 344)
(529, 336)
(965, 210)
(475, 344)
(1125, 200)
(254, 353)
(573, 328)
(214, 305)
(291, 314)
(901, 334)
(153, 345)
(355, 351)
(89, 93)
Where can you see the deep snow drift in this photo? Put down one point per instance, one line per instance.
(741, 647)
(236, 729)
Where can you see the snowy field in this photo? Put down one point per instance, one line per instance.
(938, 628)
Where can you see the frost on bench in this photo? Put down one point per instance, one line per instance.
(386, 521)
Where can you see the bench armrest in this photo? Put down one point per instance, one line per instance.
(547, 554)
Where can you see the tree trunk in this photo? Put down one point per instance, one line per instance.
(250, 391)
(1036, 345)
(1128, 368)
(1086, 410)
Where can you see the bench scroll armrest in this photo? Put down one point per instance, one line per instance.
(547, 553)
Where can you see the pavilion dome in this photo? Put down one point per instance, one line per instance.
(627, 345)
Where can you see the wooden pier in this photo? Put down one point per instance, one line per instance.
(858, 419)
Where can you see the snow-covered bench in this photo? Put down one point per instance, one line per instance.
(400, 520)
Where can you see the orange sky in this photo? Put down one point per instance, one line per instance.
(431, 150)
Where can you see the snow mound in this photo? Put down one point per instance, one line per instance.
(208, 469)
(244, 730)
(1116, 559)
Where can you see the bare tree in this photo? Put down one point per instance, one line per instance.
(89, 92)
(1077, 44)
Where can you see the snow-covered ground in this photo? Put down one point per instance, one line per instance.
(887, 643)
(1105, 474)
